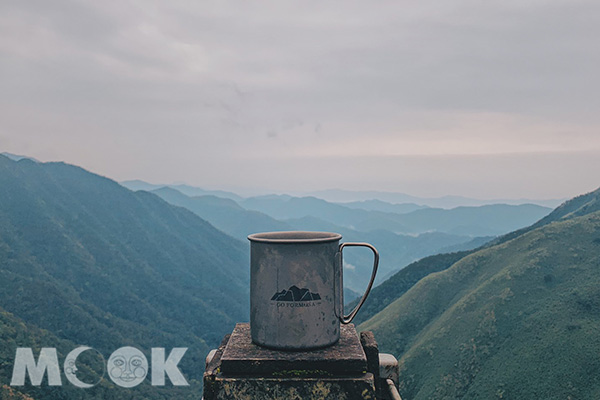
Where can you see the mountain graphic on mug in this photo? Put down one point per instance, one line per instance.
(294, 293)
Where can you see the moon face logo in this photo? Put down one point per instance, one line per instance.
(70, 367)
(127, 367)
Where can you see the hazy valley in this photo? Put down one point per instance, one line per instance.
(470, 299)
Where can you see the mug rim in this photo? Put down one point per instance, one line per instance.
(294, 237)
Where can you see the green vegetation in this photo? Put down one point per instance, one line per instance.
(403, 280)
(399, 283)
(16, 333)
(84, 261)
(9, 393)
(519, 319)
(90, 262)
(578, 206)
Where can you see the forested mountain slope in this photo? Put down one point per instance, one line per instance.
(97, 264)
(515, 320)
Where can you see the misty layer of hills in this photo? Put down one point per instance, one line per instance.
(402, 234)
(86, 261)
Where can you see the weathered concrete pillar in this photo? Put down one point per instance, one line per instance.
(239, 369)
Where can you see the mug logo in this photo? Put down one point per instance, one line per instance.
(294, 293)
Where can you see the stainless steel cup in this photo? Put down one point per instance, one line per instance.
(296, 289)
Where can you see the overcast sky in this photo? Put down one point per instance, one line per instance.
(476, 98)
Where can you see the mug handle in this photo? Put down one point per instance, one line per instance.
(346, 319)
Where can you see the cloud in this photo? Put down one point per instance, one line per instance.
(117, 86)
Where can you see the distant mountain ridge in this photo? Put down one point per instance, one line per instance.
(397, 249)
(343, 196)
(185, 189)
(17, 157)
(354, 198)
(373, 214)
(225, 214)
(378, 205)
(489, 220)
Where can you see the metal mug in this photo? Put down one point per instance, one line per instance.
(296, 289)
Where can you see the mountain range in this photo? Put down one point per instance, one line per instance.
(367, 215)
(85, 260)
(488, 220)
(378, 205)
(365, 199)
(188, 190)
(224, 213)
(515, 319)
(396, 250)
(431, 230)
(343, 196)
